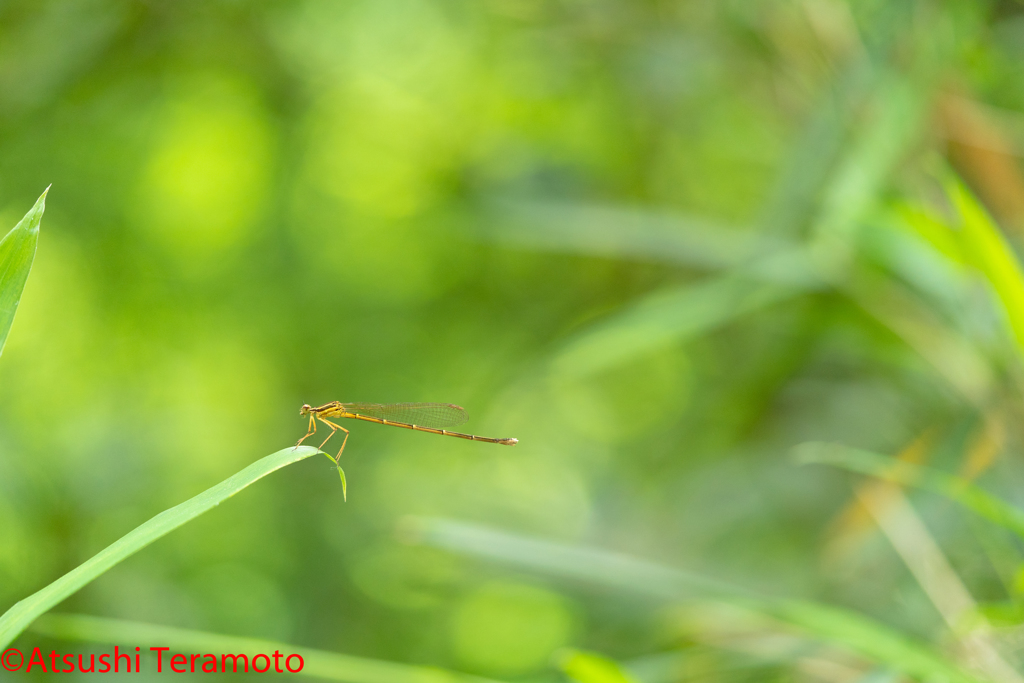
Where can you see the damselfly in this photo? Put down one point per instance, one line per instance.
(435, 418)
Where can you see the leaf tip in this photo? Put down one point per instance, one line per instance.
(35, 214)
(41, 202)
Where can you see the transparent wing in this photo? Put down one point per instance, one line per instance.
(434, 415)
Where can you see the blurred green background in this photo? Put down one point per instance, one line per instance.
(660, 242)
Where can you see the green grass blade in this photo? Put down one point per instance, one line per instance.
(989, 252)
(663, 318)
(854, 189)
(566, 561)
(619, 232)
(952, 354)
(23, 613)
(960, 490)
(870, 639)
(823, 623)
(17, 251)
(318, 663)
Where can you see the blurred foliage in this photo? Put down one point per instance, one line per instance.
(661, 243)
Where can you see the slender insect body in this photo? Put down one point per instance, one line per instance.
(421, 417)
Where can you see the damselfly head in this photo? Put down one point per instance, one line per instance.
(305, 410)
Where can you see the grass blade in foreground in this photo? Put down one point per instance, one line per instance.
(17, 251)
(904, 473)
(23, 613)
(872, 640)
(318, 663)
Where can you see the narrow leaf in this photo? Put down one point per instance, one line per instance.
(17, 251)
(663, 318)
(989, 252)
(869, 638)
(904, 473)
(620, 232)
(824, 623)
(23, 613)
